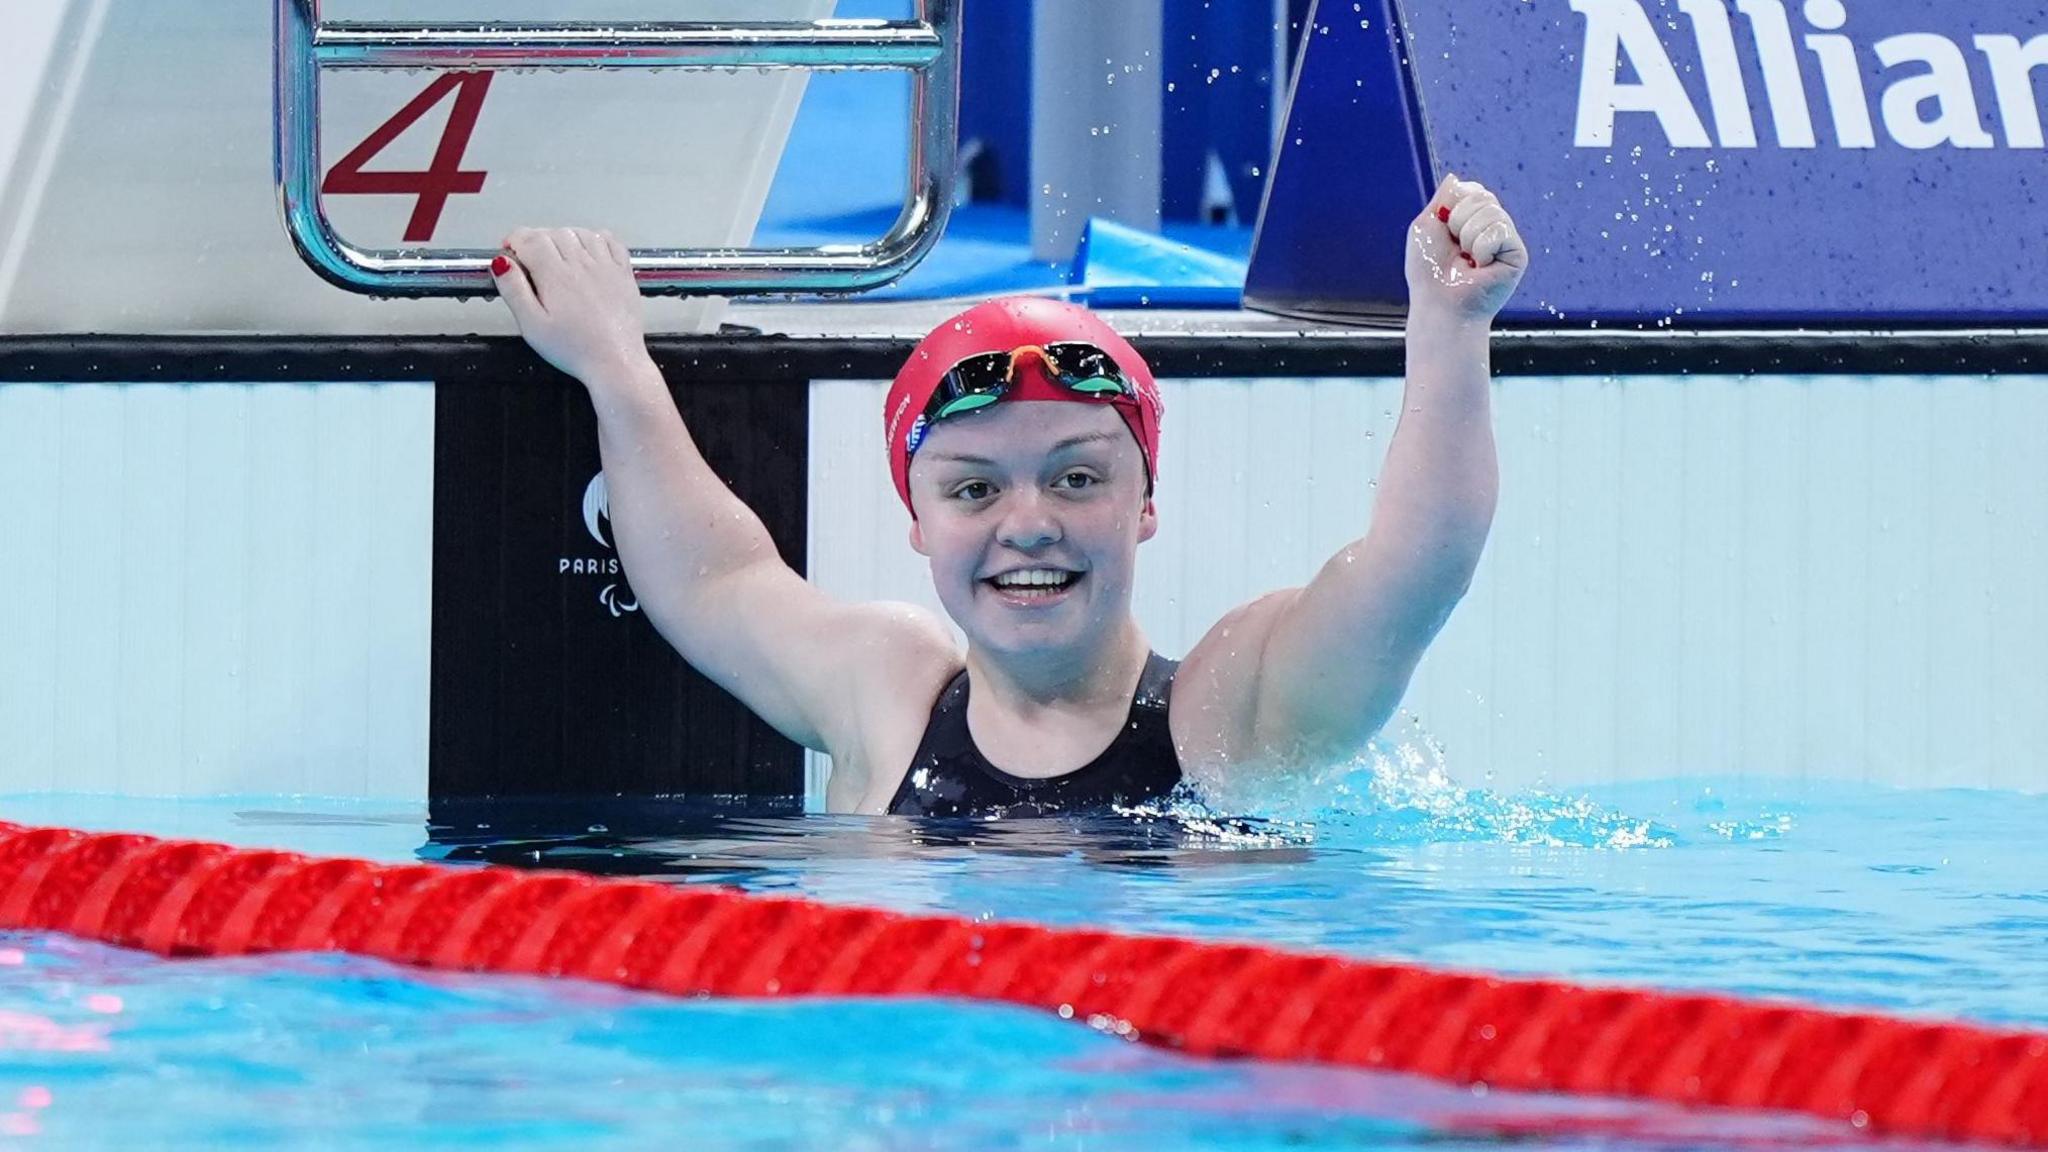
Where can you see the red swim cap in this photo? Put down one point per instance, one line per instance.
(1004, 325)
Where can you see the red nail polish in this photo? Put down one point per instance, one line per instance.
(500, 265)
(1469, 259)
(1444, 214)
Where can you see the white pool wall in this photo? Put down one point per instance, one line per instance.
(226, 588)
(216, 588)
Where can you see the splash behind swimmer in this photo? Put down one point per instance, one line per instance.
(1023, 436)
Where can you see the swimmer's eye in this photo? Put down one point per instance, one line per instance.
(974, 490)
(1078, 480)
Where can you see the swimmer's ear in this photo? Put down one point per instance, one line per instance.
(1148, 522)
(917, 536)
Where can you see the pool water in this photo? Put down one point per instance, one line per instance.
(1922, 903)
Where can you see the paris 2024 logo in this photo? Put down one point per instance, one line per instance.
(616, 595)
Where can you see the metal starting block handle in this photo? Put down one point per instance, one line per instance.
(927, 47)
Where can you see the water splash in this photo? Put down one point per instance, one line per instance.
(1399, 791)
(1772, 821)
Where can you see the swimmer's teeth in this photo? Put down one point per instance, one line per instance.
(1034, 578)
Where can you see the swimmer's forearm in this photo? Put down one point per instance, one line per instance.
(1441, 479)
(676, 522)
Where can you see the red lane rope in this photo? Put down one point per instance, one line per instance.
(1895, 1076)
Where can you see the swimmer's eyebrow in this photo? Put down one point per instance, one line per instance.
(1062, 446)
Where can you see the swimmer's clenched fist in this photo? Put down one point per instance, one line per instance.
(1464, 255)
(572, 292)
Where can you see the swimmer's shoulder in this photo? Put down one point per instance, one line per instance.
(902, 657)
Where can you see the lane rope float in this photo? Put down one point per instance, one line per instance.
(1889, 1075)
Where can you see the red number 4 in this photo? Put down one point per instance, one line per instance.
(443, 179)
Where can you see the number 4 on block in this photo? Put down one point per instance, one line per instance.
(444, 178)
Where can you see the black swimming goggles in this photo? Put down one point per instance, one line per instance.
(982, 379)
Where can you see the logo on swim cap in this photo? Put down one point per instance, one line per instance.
(916, 435)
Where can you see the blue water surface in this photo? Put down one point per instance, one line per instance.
(1923, 903)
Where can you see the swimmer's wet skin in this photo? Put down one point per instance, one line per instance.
(1023, 438)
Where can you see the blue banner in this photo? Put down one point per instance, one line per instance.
(1703, 161)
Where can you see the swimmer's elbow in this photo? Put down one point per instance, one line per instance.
(1445, 564)
(1464, 522)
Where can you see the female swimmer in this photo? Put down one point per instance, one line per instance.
(1023, 436)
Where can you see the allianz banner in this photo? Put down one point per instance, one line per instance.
(1678, 162)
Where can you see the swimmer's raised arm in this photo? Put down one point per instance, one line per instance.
(702, 564)
(1334, 658)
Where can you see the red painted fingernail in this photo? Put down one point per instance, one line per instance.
(1469, 259)
(1444, 214)
(500, 265)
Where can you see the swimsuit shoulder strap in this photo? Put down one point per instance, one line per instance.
(1155, 685)
(948, 775)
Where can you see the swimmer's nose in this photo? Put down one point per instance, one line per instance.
(1028, 523)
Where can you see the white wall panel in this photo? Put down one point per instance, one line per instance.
(1896, 586)
(1772, 561)
(34, 592)
(2018, 508)
(1649, 499)
(216, 588)
(1587, 622)
(1833, 577)
(1523, 694)
(145, 538)
(1960, 580)
(1711, 473)
(1834, 623)
(217, 685)
(86, 652)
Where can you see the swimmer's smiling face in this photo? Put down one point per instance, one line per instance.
(1031, 513)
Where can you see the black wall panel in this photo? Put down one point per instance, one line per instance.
(547, 679)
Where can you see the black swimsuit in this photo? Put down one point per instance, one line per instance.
(950, 777)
